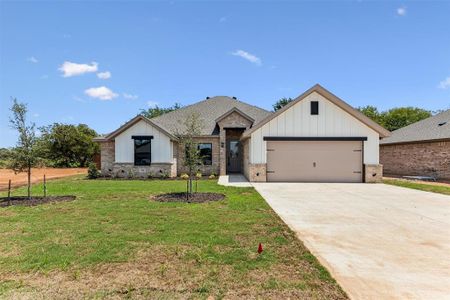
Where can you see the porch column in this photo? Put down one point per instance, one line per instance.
(222, 151)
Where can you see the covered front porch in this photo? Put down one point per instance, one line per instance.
(231, 126)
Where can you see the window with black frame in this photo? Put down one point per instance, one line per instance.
(205, 152)
(142, 150)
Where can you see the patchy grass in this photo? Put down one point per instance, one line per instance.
(441, 189)
(113, 242)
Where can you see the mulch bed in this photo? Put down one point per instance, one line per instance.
(36, 200)
(193, 198)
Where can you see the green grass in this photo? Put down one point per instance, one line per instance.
(419, 186)
(160, 250)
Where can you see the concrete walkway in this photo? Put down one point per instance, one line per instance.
(378, 241)
(237, 180)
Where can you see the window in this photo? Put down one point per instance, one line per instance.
(314, 107)
(142, 150)
(205, 153)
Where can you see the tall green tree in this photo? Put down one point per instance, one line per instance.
(66, 145)
(156, 111)
(373, 113)
(399, 117)
(395, 118)
(25, 155)
(281, 103)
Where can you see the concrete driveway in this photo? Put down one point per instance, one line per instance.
(378, 241)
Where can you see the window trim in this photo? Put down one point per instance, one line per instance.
(314, 108)
(142, 137)
(211, 145)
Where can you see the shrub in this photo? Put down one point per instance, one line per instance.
(131, 173)
(93, 171)
(198, 175)
(184, 176)
(164, 175)
(212, 176)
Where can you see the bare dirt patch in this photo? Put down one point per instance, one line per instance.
(193, 198)
(24, 201)
(37, 175)
(164, 273)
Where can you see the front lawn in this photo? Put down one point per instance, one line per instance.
(441, 189)
(113, 242)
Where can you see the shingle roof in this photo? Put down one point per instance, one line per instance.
(433, 128)
(209, 111)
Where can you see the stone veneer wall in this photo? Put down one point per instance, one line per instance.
(107, 156)
(129, 170)
(257, 173)
(426, 159)
(373, 173)
(205, 169)
(246, 158)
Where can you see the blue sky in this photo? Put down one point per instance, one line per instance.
(56, 56)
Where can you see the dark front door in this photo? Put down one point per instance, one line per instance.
(233, 156)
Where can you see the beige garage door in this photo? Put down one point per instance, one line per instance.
(314, 161)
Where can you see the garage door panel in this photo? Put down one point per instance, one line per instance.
(314, 161)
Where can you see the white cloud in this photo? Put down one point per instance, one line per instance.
(444, 84)
(401, 11)
(33, 59)
(73, 69)
(45, 76)
(104, 75)
(130, 96)
(223, 19)
(102, 93)
(36, 115)
(248, 56)
(78, 99)
(152, 103)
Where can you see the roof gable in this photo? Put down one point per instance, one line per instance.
(332, 98)
(236, 110)
(129, 124)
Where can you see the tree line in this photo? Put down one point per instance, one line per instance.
(391, 119)
(56, 145)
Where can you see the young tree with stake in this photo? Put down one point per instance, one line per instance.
(24, 155)
(192, 158)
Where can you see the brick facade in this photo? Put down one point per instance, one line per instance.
(425, 159)
(205, 169)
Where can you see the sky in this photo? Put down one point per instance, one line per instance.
(99, 63)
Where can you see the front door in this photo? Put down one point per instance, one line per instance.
(233, 156)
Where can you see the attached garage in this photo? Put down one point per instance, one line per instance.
(317, 160)
(315, 138)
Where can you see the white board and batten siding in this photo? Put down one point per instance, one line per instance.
(162, 146)
(332, 121)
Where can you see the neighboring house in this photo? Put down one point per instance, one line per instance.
(422, 148)
(317, 137)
